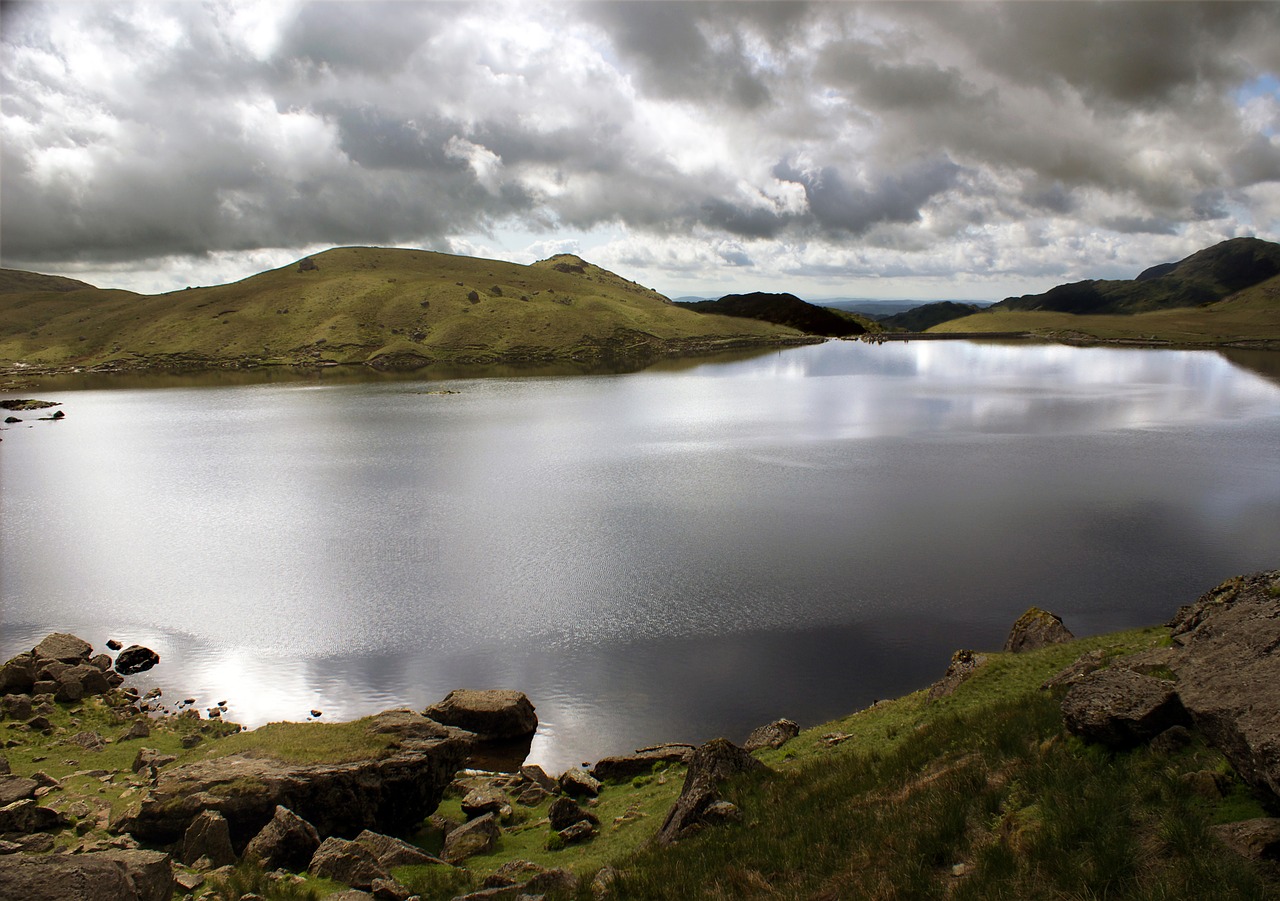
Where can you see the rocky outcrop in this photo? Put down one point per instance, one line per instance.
(1120, 708)
(711, 764)
(641, 763)
(1257, 839)
(348, 862)
(963, 665)
(494, 714)
(1036, 629)
(390, 793)
(59, 665)
(1228, 673)
(771, 735)
(98, 876)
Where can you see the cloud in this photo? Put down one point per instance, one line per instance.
(777, 140)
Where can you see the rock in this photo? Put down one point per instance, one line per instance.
(579, 832)
(391, 793)
(118, 875)
(18, 675)
(771, 735)
(1171, 740)
(67, 692)
(64, 647)
(1253, 839)
(135, 659)
(287, 841)
(721, 812)
(1229, 674)
(480, 801)
(532, 795)
(579, 783)
(531, 772)
(641, 763)
(1206, 784)
(394, 852)
(208, 836)
(28, 816)
(1036, 629)
(306, 264)
(1120, 708)
(963, 665)
(476, 837)
(347, 862)
(90, 741)
(513, 872)
(188, 882)
(100, 662)
(602, 883)
(114, 645)
(4, 765)
(151, 759)
(16, 788)
(564, 812)
(17, 706)
(491, 714)
(139, 728)
(1083, 666)
(711, 764)
(390, 890)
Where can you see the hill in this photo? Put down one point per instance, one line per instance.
(1204, 277)
(784, 309)
(16, 281)
(922, 318)
(385, 308)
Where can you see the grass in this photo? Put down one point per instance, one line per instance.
(308, 743)
(363, 305)
(1250, 315)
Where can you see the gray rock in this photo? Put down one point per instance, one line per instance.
(208, 836)
(64, 647)
(964, 663)
(480, 801)
(286, 841)
(139, 728)
(479, 836)
(602, 883)
(394, 852)
(717, 760)
(16, 788)
(127, 875)
(564, 812)
(391, 793)
(18, 675)
(513, 872)
(490, 714)
(1036, 629)
(135, 659)
(579, 832)
(90, 741)
(1253, 839)
(641, 763)
(1120, 708)
(390, 890)
(532, 795)
(1171, 740)
(27, 816)
(4, 765)
(347, 862)
(151, 759)
(1229, 674)
(772, 735)
(531, 772)
(579, 783)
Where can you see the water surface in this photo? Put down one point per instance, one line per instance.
(665, 555)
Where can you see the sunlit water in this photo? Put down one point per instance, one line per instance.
(651, 557)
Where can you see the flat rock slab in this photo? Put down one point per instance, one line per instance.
(1120, 708)
(386, 794)
(97, 876)
(1229, 673)
(641, 763)
(491, 714)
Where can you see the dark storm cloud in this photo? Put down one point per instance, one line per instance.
(933, 129)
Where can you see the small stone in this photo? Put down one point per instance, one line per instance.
(113, 644)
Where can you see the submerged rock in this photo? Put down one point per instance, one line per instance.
(135, 659)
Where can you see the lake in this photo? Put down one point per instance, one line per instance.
(669, 555)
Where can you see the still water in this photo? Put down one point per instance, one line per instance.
(658, 556)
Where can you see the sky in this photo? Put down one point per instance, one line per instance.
(955, 150)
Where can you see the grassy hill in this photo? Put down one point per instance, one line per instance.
(1204, 277)
(385, 308)
(787, 310)
(922, 318)
(1248, 317)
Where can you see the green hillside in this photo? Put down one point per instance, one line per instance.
(385, 308)
(1248, 317)
(1204, 277)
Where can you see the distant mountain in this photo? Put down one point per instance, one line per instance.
(1204, 277)
(783, 309)
(381, 307)
(927, 316)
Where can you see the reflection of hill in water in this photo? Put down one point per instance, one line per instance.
(1265, 363)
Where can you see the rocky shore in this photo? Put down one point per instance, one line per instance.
(103, 796)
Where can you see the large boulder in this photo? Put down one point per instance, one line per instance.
(27, 816)
(493, 714)
(641, 763)
(711, 764)
(1120, 708)
(286, 841)
(477, 837)
(389, 794)
(347, 862)
(772, 735)
(208, 836)
(135, 659)
(64, 647)
(394, 852)
(96, 876)
(1229, 673)
(1036, 629)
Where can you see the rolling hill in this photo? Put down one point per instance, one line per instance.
(787, 310)
(384, 308)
